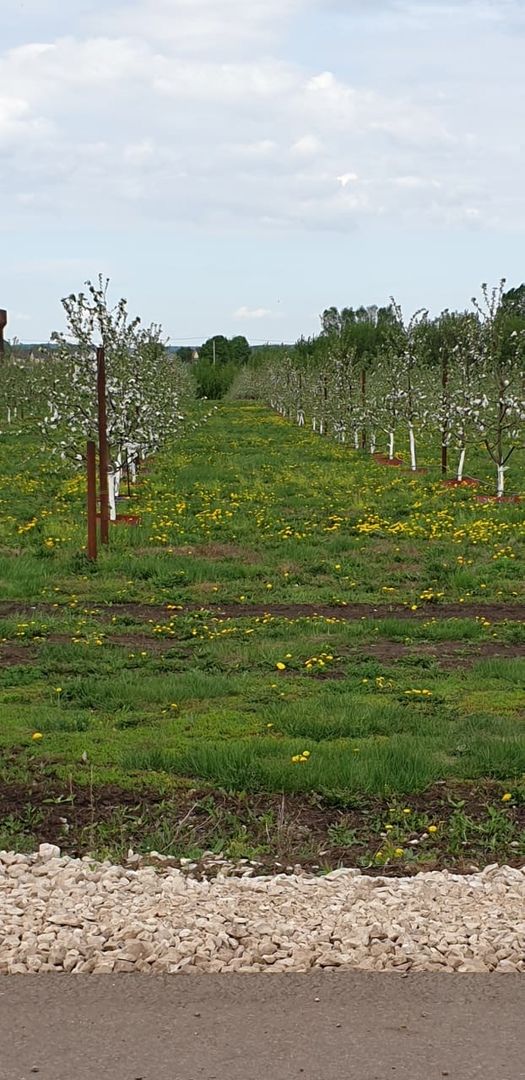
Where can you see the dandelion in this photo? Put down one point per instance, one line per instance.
(306, 753)
(280, 666)
(174, 705)
(506, 797)
(432, 828)
(58, 689)
(388, 828)
(407, 810)
(399, 852)
(269, 725)
(36, 736)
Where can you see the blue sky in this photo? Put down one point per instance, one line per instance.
(235, 166)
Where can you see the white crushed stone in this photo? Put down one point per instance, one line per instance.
(59, 914)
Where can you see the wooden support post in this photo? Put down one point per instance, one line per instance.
(102, 447)
(91, 501)
(3, 324)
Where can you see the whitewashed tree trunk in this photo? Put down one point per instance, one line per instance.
(321, 427)
(373, 440)
(112, 495)
(300, 418)
(412, 438)
(8, 415)
(461, 464)
(501, 480)
(391, 446)
(118, 474)
(356, 439)
(314, 424)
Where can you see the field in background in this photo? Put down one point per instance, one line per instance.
(298, 655)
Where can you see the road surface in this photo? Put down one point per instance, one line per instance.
(346, 1026)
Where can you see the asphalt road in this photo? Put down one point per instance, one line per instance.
(271, 1027)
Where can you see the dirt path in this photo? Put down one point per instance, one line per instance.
(143, 612)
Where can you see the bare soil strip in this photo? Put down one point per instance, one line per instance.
(349, 612)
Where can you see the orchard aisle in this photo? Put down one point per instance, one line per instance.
(297, 656)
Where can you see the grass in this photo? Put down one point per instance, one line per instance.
(154, 674)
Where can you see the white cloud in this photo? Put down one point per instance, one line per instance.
(251, 313)
(346, 178)
(188, 111)
(307, 146)
(210, 26)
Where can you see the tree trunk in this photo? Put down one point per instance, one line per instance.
(112, 492)
(413, 461)
(461, 464)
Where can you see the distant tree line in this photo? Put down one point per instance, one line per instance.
(216, 363)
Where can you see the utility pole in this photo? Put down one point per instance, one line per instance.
(3, 324)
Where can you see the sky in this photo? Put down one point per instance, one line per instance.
(237, 166)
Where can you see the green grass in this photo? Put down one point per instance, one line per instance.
(251, 512)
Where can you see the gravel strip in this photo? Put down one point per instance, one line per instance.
(59, 914)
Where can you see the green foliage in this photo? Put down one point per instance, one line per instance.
(213, 380)
(219, 362)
